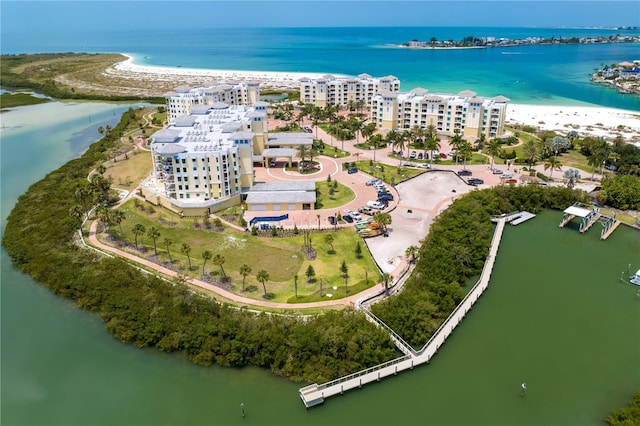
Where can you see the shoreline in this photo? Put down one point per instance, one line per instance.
(587, 120)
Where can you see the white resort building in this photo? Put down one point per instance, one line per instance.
(464, 113)
(204, 161)
(332, 90)
(181, 99)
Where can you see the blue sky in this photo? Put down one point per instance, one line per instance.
(46, 16)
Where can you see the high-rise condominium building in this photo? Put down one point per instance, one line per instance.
(464, 113)
(332, 90)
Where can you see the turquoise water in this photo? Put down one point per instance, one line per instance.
(529, 74)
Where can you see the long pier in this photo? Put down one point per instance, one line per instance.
(315, 394)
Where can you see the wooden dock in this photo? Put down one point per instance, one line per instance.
(605, 234)
(522, 217)
(566, 220)
(315, 394)
(593, 219)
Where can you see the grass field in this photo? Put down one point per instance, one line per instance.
(282, 258)
(129, 173)
(341, 195)
(13, 100)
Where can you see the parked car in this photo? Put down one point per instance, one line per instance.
(424, 166)
(506, 176)
(272, 163)
(372, 182)
(419, 156)
(347, 218)
(497, 171)
(385, 197)
(332, 220)
(412, 155)
(352, 170)
(375, 205)
(355, 215)
(464, 173)
(443, 155)
(366, 210)
(475, 181)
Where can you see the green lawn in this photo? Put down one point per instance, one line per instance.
(281, 257)
(341, 195)
(390, 174)
(129, 173)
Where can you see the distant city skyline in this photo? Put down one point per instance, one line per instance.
(49, 16)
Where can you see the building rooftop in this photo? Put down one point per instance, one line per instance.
(302, 185)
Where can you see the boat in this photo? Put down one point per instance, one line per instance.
(635, 279)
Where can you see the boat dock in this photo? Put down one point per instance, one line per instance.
(522, 217)
(315, 394)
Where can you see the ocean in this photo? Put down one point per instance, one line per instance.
(547, 75)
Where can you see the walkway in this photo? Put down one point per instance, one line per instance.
(315, 394)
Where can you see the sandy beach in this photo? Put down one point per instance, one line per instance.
(130, 70)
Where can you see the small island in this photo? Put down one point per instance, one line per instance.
(473, 42)
(624, 76)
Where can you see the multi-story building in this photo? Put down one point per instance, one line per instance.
(181, 99)
(464, 113)
(332, 90)
(204, 160)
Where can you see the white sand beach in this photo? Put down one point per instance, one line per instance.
(130, 70)
(587, 121)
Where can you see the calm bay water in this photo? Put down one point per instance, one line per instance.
(555, 316)
(529, 74)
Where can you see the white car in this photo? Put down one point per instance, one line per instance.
(424, 166)
(497, 172)
(355, 215)
(375, 205)
(506, 176)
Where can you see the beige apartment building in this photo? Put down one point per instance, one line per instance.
(464, 113)
(181, 99)
(332, 90)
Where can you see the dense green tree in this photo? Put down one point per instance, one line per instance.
(621, 192)
(627, 416)
(310, 273)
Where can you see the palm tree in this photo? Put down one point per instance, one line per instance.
(206, 255)
(303, 152)
(530, 152)
(117, 216)
(167, 244)
(138, 229)
(368, 130)
(432, 144)
(412, 251)
(316, 116)
(382, 219)
(386, 279)
(244, 271)
(466, 152)
(263, 276)
(329, 238)
(571, 176)
(456, 142)
(104, 215)
(154, 234)
(85, 196)
(185, 248)
(552, 163)
(493, 149)
(219, 260)
(418, 134)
